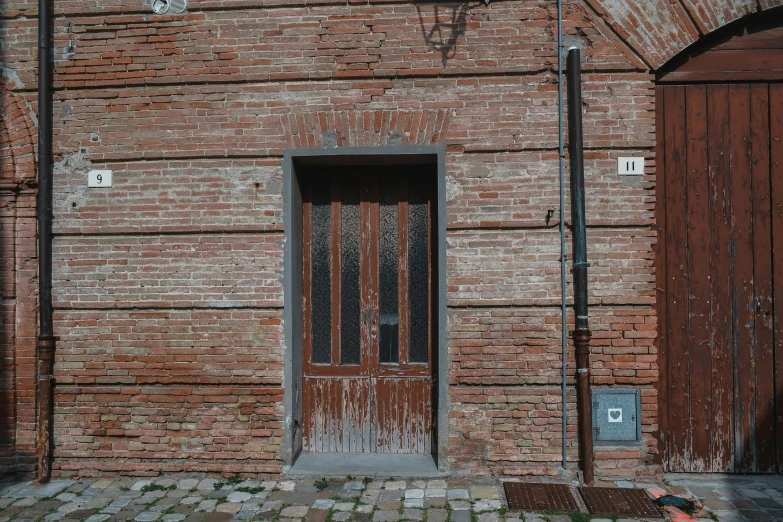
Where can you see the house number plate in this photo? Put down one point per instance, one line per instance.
(630, 166)
(99, 178)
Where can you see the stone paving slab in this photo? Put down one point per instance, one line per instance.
(733, 497)
(27, 490)
(226, 499)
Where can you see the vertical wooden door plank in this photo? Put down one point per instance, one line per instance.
(310, 425)
(660, 277)
(311, 431)
(402, 218)
(351, 398)
(371, 303)
(722, 451)
(419, 412)
(307, 417)
(395, 431)
(329, 402)
(743, 302)
(699, 298)
(311, 428)
(776, 164)
(334, 386)
(338, 386)
(677, 284)
(380, 416)
(369, 272)
(324, 427)
(338, 392)
(364, 442)
(763, 366)
(373, 247)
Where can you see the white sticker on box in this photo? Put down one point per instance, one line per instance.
(615, 415)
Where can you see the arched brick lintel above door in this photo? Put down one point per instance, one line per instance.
(658, 30)
(367, 128)
(750, 49)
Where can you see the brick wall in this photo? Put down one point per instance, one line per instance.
(168, 289)
(656, 30)
(18, 281)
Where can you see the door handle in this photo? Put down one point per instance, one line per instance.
(368, 317)
(757, 305)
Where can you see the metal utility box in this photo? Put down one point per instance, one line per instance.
(616, 417)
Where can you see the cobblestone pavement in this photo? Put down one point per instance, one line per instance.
(170, 499)
(733, 497)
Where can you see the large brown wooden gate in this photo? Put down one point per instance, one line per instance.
(368, 303)
(720, 251)
(721, 186)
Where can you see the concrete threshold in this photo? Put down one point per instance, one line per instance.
(365, 464)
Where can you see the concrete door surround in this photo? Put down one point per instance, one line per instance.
(298, 160)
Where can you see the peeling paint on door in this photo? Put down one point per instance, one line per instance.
(381, 399)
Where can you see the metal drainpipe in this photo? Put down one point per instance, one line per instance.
(46, 339)
(561, 148)
(582, 331)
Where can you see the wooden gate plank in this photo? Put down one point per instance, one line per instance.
(699, 297)
(660, 278)
(763, 366)
(677, 274)
(743, 302)
(722, 451)
(776, 164)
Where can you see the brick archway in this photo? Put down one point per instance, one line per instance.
(370, 128)
(658, 30)
(17, 135)
(18, 272)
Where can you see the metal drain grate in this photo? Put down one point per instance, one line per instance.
(619, 501)
(539, 497)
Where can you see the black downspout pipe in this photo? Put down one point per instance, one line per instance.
(46, 341)
(582, 331)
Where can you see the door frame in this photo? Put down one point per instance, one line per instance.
(434, 156)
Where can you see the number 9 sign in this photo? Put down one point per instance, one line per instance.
(99, 178)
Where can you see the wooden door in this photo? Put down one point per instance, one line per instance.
(368, 298)
(721, 273)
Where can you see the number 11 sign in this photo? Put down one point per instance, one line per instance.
(99, 178)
